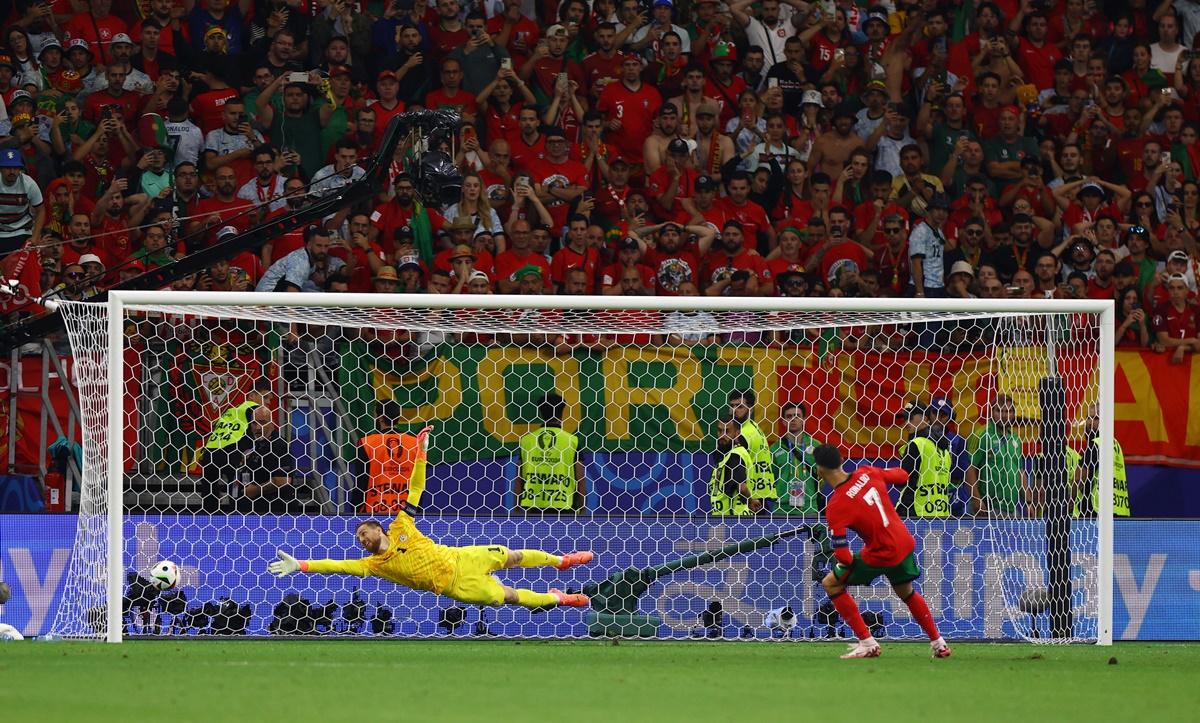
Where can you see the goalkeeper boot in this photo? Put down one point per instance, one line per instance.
(571, 559)
(864, 649)
(571, 600)
(939, 648)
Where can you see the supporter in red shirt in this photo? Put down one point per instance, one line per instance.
(447, 32)
(576, 254)
(723, 84)
(753, 219)
(388, 105)
(519, 256)
(673, 182)
(96, 27)
(629, 107)
(840, 251)
(224, 208)
(730, 255)
(114, 100)
(451, 95)
(704, 206)
(676, 260)
(891, 259)
(390, 218)
(530, 145)
(514, 32)
(603, 67)
(1103, 285)
(548, 61)
(629, 254)
(207, 108)
(1035, 54)
(557, 179)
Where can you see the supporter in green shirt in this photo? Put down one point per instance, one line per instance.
(997, 476)
(798, 490)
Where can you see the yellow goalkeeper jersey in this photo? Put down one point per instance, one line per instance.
(412, 559)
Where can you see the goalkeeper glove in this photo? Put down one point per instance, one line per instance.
(285, 565)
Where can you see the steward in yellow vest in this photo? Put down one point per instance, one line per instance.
(728, 488)
(928, 461)
(1083, 471)
(761, 475)
(551, 474)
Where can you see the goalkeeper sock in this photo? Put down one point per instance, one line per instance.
(920, 612)
(531, 599)
(537, 558)
(848, 609)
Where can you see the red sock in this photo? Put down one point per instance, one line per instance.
(920, 612)
(848, 609)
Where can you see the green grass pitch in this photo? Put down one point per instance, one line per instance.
(591, 681)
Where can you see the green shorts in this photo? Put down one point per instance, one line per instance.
(860, 573)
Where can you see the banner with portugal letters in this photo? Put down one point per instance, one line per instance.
(482, 399)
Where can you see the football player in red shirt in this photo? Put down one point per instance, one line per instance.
(860, 502)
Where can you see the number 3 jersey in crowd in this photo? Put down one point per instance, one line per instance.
(862, 504)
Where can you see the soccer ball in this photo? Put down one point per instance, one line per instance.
(164, 575)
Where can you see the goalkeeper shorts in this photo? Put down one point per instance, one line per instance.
(473, 582)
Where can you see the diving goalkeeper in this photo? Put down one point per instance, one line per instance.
(405, 555)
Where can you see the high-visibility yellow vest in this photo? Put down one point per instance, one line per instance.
(760, 475)
(722, 503)
(931, 498)
(1120, 483)
(230, 426)
(390, 459)
(548, 469)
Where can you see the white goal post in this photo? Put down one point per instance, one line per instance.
(1010, 348)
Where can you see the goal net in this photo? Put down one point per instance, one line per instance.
(220, 428)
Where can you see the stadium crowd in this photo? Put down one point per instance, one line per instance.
(1022, 148)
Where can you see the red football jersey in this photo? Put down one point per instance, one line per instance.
(635, 109)
(862, 504)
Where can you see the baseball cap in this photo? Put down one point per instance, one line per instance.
(939, 200)
(1177, 255)
(631, 58)
(50, 42)
(1011, 109)
(667, 109)
(629, 244)
(875, 86)
(226, 231)
(385, 74)
(707, 183)
(679, 146)
(337, 70)
(876, 15)
(90, 259)
(79, 43)
(663, 3)
(11, 158)
(405, 261)
(121, 39)
(1092, 187)
(462, 251)
(812, 97)
(962, 267)
(617, 160)
(479, 274)
(524, 271)
(20, 94)
(556, 30)
(707, 108)
(403, 232)
(386, 273)
(214, 30)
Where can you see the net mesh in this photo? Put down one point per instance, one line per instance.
(1007, 540)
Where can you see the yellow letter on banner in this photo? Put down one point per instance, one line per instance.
(1145, 407)
(449, 391)
(1191, 437)
(619, 396)
(493, 397)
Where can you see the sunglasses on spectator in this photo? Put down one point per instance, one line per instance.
(75, 274)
